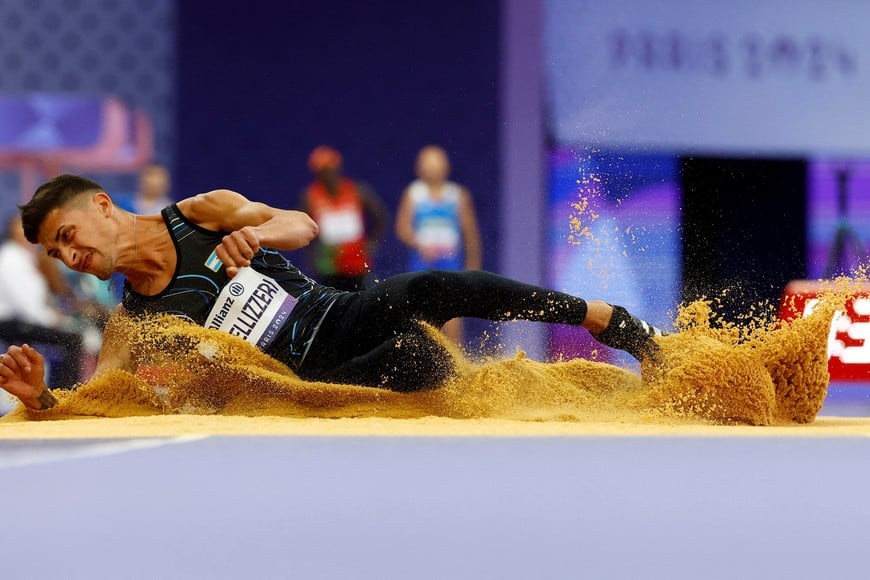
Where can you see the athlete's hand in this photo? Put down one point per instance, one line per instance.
(22, 373)
(238, 248)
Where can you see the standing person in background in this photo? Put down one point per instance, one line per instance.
(153, 193)
(27, 309)
(436, 220)
(351, 218)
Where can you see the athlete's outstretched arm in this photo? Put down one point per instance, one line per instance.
(252, 225)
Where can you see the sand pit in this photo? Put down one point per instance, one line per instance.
(183, 379)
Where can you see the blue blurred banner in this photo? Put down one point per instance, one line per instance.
(743, 77)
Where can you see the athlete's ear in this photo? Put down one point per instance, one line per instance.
(104, 203)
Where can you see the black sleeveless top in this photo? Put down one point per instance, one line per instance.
(200, 276)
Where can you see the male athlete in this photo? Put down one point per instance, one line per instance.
(214, 259)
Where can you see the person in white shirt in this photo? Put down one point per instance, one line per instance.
(27, 313)
(24, 291)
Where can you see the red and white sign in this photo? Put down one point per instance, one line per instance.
(849, 337)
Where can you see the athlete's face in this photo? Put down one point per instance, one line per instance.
(81, 235)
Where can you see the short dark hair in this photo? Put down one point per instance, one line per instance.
(54, 193)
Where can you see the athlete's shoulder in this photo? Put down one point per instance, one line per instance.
(209, 209)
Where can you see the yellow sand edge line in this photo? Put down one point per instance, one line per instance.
(199, 425)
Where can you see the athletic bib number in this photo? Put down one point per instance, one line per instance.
(340, 226)
(438, 233)
(252, 306)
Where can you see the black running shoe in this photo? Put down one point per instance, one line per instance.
(631, 334)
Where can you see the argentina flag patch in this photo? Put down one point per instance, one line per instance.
(213, 263)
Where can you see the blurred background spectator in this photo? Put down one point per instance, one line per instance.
(28, 309)
(437, 222)
(153, 193)
(352, 220)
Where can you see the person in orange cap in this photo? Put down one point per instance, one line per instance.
(351, 218)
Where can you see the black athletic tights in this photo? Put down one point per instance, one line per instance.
(373, 337)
